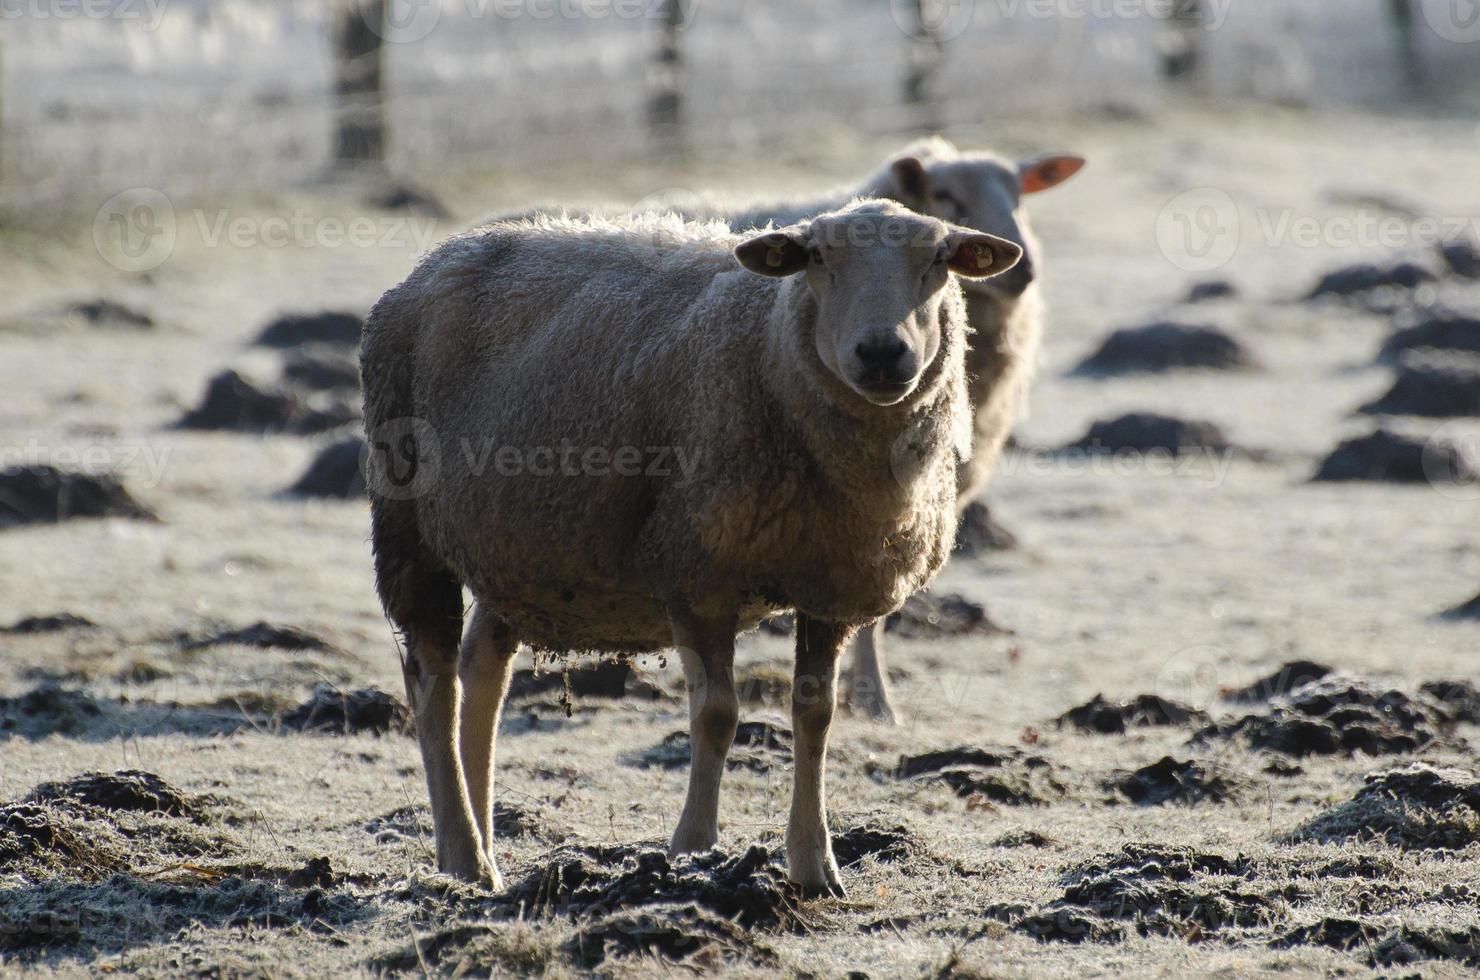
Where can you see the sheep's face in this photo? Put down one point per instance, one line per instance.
(985, 193)
(877, 271)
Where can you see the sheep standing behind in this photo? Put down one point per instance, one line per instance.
(981, 191)
(812, 411)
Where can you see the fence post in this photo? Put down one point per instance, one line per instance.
(1182, 43)
(665, 105)
(358, 106)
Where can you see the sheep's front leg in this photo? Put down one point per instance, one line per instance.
(432, 691)
(707, 649)
(483, 670)
(868, 687)
(814, 691)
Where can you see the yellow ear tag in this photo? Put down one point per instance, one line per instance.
(774, 255)
(983, 255)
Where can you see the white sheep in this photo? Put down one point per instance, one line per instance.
(981, 191)
(817, 402)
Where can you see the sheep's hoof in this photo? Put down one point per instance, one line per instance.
(481, 872)
(869, 702)
(827, 889)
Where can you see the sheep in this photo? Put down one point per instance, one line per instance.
(815, 394)
(981, 191)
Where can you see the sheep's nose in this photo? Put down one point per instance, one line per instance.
(883, 359)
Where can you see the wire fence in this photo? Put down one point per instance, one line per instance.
(205, 93)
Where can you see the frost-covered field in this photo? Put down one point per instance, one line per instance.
(1234, 809)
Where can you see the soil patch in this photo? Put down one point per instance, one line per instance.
(1353, 280)
(46, 495)
(263, 635)
(1418, 807)
(334, 472)
(987, 776)
(323, 368)
(759, 746)
(977, 533)
(1166, 346)
(1143, 432)
(1430, 388)
(296, 329)
(1446, 331)
(234, 404)
(109, 314)
(1172, 780)
(50, 623)
(928, 616)
(1295, 674)
(1390, 457)
(1142, 711)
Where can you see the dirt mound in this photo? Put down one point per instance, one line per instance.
(978, 533)
(1143, 432)
(879, 840)
(1168, 891)
(1417, 807)
(1171, 780)
(612, 679)
(575, 882)
(759, 746)
(323, 368)
(1166, 346)
(34, 833)
(49, 709)
(1337, 716)
(295, 329)
(401, 196)
(1142, 711)
(414, 822)
(1213, 289)
(46, 495)
(234, 404)
(1415, 944)
(985, 776)
(1296, 673)
(928, 616)
(108, 314)
(1465, 610)
(671, 933)
(50, 623)
(1353, 280)
(1333, 932)
(763, 683)
(1446, 331)
(1067, 926)
(1458, 700)
(1394, 458)
(127, 789)
(262, 635)
(1431, 388)
(1462, 257)
(335, 472)
(331, 711)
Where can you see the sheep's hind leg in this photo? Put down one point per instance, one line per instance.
(814, 692)
(483, 671)
(868, 686)
(707, 650)
(430, 670)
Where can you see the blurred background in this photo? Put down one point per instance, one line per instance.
(212, 93)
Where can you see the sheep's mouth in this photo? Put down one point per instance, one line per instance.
(886, 392)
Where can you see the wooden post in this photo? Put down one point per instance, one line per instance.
(1182, 43)
(924, 57)
(358, 104)
(665, 105)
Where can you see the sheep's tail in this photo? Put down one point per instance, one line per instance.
(420, 594)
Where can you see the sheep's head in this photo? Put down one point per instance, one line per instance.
(983, 192)
(878, 272)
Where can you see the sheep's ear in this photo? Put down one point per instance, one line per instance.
(911, 182)
(977, 256)
(1049, 170)
(776, 253)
